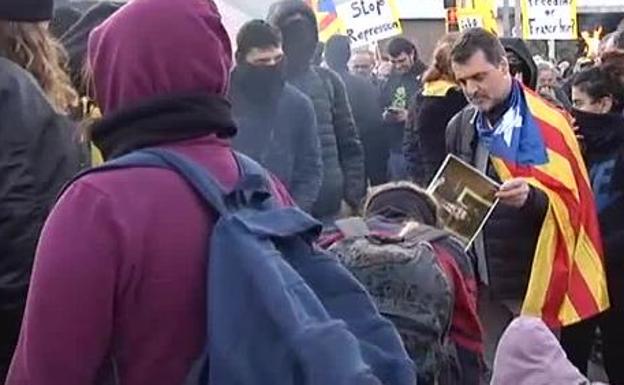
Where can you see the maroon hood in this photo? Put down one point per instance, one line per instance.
(155, 48)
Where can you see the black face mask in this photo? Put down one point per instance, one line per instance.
(263, 84)
(299, 45)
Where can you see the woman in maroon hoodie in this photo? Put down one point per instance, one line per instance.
(119, 280)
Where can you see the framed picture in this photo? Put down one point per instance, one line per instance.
(466, 197)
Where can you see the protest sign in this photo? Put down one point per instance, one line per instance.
(468, 18)
(549, 19)
(368, 21)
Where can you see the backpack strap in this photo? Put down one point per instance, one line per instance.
(200, 179)
(253, 191)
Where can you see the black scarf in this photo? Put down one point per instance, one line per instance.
(601, 133)
(256, 87)
(163, 120)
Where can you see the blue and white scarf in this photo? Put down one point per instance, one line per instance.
(517, 137)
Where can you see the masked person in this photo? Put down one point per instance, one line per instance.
(38, 150)
(364, 99)
(546, 213)
(343, 155)
(276, 122)
(598, 96)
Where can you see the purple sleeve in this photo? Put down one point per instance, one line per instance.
(69, 314)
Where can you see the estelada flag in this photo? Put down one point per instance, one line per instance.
(536, 142)
(327, 18)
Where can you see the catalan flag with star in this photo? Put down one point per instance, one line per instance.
(327, 18)
(535, 141)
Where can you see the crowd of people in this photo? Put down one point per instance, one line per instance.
(116, 123)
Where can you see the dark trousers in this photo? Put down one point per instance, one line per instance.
(10, 323)
(495, 316)
(578, 340)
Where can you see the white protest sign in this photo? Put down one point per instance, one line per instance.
(549, 19)
(368, 21)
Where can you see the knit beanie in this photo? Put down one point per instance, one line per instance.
(26, 10)
(402, 201)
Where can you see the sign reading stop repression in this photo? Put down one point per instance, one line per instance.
(368, 21)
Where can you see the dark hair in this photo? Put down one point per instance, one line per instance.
(256, 34)
(598, 83)
(400, 45)
(475, 40)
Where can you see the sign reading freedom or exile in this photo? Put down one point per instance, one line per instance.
(368, 21)
(549, 19)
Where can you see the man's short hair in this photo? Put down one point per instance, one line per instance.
(256, 34)
(474, 40)
(401, 45)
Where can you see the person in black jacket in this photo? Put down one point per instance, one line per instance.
(37, 151)
(343, 155)
(64, 18)
(598, 98)
(364, 100)
(506, 249)
(75, 39)
(276, 122)
(430, 112)
(404, 82)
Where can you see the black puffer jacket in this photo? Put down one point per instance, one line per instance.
(37, 156)
(343, 156)
(367, 112)
(511, 234)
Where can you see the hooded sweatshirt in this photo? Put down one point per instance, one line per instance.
(397, 92)
(527, 65)
(119, 282)
(343, 157)
(529, 354)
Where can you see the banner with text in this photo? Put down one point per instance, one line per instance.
(549, 20)
(368, 21)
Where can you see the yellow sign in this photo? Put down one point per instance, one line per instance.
(549, 20)
(477, 14)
